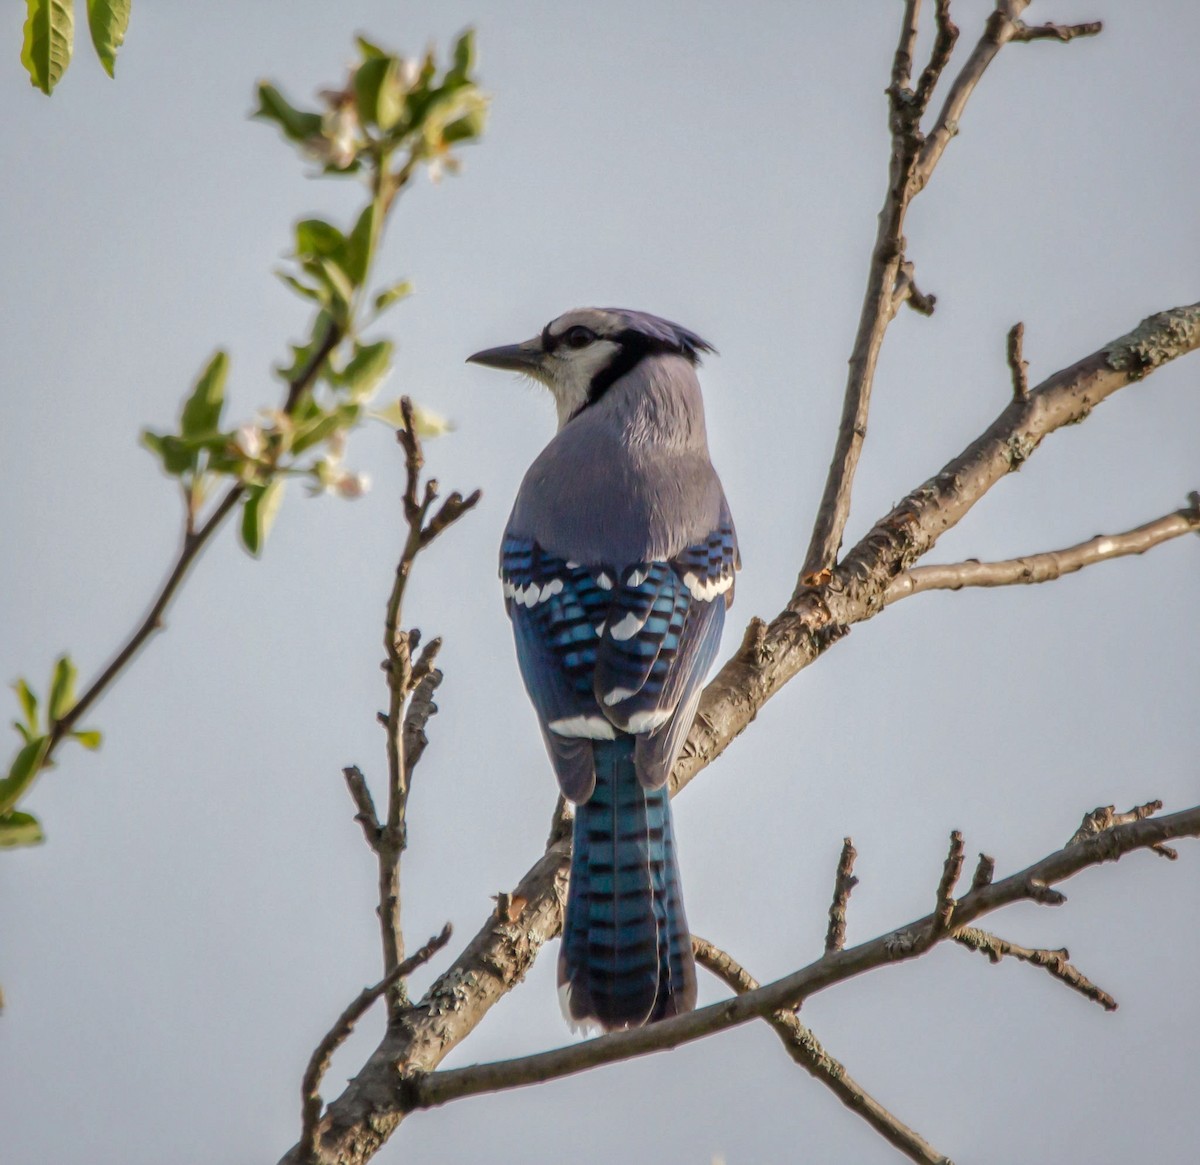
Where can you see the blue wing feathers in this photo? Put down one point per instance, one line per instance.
(613, 657)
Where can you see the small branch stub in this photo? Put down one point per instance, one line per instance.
(1018, 365)
(951, 871)
(844, 883)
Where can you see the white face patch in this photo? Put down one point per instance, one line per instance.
(569, 373)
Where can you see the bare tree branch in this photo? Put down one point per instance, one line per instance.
(411, 682)
(1047, 566)
(337, 1035)
(890, 280)
(1002, 26)
(804, 1047)
(835, 936)
(1059, 32)
(1031, 884)
(1056, 962)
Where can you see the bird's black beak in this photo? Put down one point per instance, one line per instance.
(526, 357)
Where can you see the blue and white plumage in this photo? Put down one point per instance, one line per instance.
(618, 565)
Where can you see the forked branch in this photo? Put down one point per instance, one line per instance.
(916, 938)
(806, 1050)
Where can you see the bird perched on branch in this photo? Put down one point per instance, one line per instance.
(618, 564)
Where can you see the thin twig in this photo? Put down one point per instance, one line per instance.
(806, 1050)
(835, 936)
(318, 1063)
(1055, 962)
(194, 541)
(410, 682)
(1017, 363)
(939, 57)
(363, 801)
(1059, 32)
(951, 872)
(1046, 566)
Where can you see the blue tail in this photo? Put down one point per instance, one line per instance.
(626, 953)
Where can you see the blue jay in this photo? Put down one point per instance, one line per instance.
(618, 564)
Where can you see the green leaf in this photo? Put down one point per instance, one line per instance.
(368, 366)
(317, 238)
(466, 129)
(202, 412)
(49, 39)
(171, 452)
(29, 703)
(368, 48)
(391, 295)
(464, 58)
(340, 286)
(378, 93)
(356, 257)
(320, 427)
(21, 773)
(107, 21)
(303, 289)
(90, 738)
(26, 735)
(62, 688)
(297, 124)
(262, 503)
(17, 828)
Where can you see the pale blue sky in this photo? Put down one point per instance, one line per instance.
(203, 907)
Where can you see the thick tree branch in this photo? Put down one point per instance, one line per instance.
(1049, 565)
(806, 1050)
(499, 956)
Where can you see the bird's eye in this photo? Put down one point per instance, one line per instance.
(579, 336)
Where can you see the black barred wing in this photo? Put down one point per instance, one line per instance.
(605, 650)
(558, 609)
